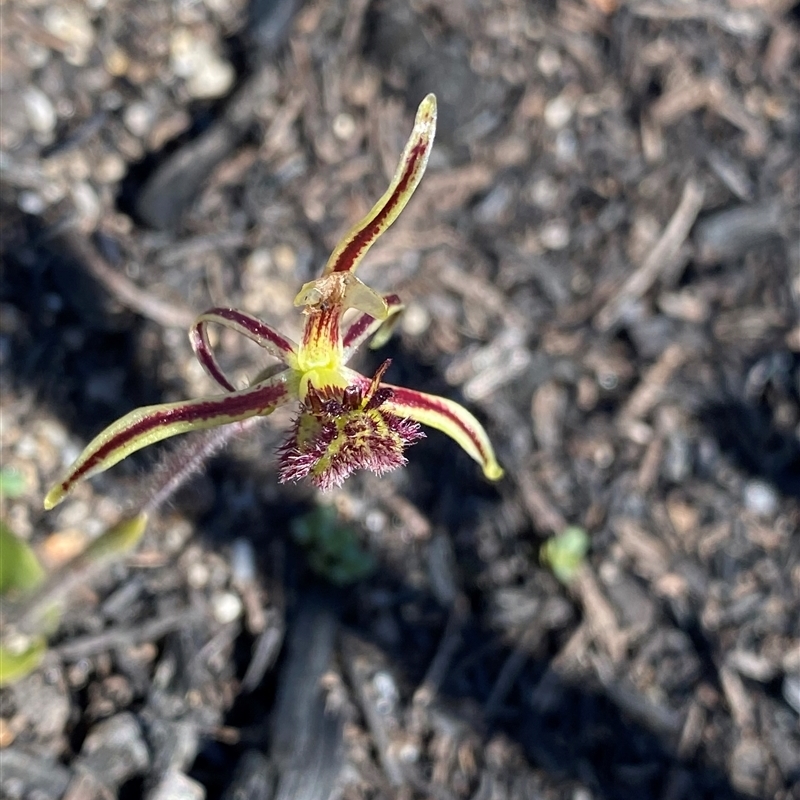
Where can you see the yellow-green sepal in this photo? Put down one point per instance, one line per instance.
(450, 418)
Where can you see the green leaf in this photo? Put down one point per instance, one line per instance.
(332, 549)
(19, 568)
(117, 541)
(12, 483)
(566, 553)
(17, 663)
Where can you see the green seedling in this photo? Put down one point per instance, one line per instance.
(565, 553)
(19, 656)
(20, 573)
(117, 541)
(32, 600)
(332, 548)
(12, 483)
(20, 570)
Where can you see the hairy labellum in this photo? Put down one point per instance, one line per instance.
(332, 438)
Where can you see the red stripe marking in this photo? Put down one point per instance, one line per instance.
(363, 238)
(357, 329)
(322, 324)
(250, 401)
(362, 323)
(253, 325)
(408, 397)
(204, 354)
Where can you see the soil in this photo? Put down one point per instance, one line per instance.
(602, 263)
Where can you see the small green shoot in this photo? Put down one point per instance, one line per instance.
(21, 576)
(20, 570)
(20, 657)
(565, 553)
(332, 548)
(118, 540)
(12, 483)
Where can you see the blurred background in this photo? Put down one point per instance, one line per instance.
(602, 263)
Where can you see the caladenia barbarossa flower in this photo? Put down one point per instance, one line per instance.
(346, 421)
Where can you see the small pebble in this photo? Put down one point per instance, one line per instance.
(73, 514)
(117, 62)
(415, 320)
(26, 447)
(344, 127)
(408, 753)
(554, 235)
(375, 521)
(760, 498)
(40, 111)
(75, 166)
(176, 536)
(138, 118)
(549, 61)
(44, 705)
(33, 54)
(110, 169)
(182, 49)
(10, 138)
(53, 432)
(115, 748)
(197, 575)
(791, 691)
(7, 733)
(285, 258)
(207, 75)
(214, 78)
(258, 263)
(566, 146)
(226, 607)
(87, 204)
(544, 193)
(30, 202)
(243, 561)
(61, 546)
(70, 23)
(558, 112)
(177, 786)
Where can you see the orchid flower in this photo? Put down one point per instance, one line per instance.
(346, 421)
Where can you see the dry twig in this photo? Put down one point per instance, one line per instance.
(166, 313)
(659, 259)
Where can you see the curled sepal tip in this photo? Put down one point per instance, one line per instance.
(151, 424)
(275, 343)
(450, 418)
(349, 252)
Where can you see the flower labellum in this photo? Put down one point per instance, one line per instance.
(346, 422)
(339, 432)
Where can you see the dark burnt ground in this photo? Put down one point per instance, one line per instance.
(602, 262)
